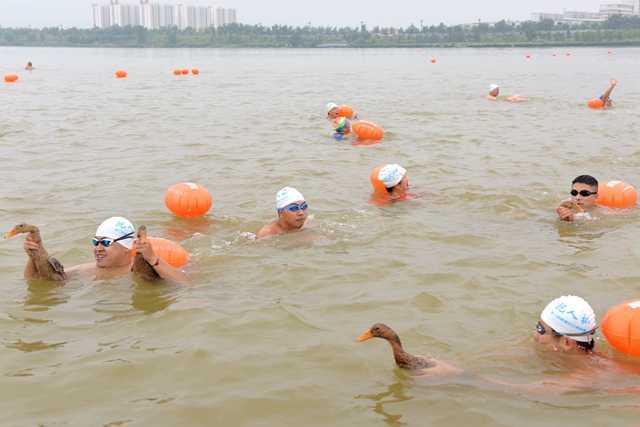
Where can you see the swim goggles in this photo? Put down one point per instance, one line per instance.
(294, 207)
(107, 242)
(583, 193)
(542, 330)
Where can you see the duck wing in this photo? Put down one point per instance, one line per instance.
(56, 269)
(140, 265)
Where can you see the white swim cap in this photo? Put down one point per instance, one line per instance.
(331, 106)
(570, 315)
(286, 196)
(493, 87)
(391, 175)
(116, 227)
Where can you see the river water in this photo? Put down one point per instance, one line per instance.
(264, 335)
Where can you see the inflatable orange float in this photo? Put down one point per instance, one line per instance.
(345, 111)
(379, 189)
(170, 252)
(184, 71)
(11, 78)
(121, 74)
(195, 71)
(188, 200)
(596, 103)
(617, 194)
(366, 130)
(621, 327)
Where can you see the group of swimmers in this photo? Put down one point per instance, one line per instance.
(566, 324)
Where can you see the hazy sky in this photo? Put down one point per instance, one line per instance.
(69, 13)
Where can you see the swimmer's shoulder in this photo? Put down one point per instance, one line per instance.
(268, 230)
(81, 270)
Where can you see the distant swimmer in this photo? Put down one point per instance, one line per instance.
(393, 179)
(494, 92)
(29, 66)
(582, 203)
(607, 102)
(112, 244)
(292, 214)
(340, 117)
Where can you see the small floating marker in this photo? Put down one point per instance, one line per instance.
(121, 74)
(11, 78)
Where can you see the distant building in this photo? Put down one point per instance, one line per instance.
(154, 15)
(627, 8)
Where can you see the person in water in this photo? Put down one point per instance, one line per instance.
(567, 324)
(494, 92)
(112, 245)
(292, 214)
(582, 204)
(29, 66)
(606, 96)
(395, 180)
(340, 125)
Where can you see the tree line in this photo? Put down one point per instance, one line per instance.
(615, 30)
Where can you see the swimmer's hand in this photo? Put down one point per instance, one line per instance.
(31, 246)
(143, 247)
(613, 82)
(565, 213)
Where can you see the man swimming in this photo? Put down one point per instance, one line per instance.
(606, 96)
(582, 204)
(29, 66)
(395, 179)
(494, 92)
(567, 324)
(112, 244)
(292, 214)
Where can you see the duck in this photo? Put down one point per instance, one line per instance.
(140, 265)
(415, 365)
(45, 266)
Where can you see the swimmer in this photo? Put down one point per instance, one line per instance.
(567, 324)
(292, 214)
(582, 204)
(112, 244)
(29, 66)
(494, 91)
(606, 96)
(395, 179)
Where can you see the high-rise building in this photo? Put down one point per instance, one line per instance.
(153, 15)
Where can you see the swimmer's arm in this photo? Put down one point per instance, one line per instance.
(607, 92)
(168, 272)
(76, 271)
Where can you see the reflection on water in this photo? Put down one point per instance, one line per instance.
(44, 294)
(383, 402)
(153, 297)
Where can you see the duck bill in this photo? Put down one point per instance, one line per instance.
(366, 335)
(11, 233)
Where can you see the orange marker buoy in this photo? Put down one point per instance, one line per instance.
(11, 78)
(170, 252)
(177, 72)
(366, 130)
(195, 71)
(345, 111)
(621, 327)
(185, 71)
(617, 194)
(121, 74)
(379, 188)
(595, 103)
(188, 200)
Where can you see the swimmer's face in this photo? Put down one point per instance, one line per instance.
(114, 255)
(582, 201)
(551, 340)
(333, 113)
(495, 92)
(294, 219)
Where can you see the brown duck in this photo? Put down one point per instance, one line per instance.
(45, 267)
(140, 265)
(416, 365)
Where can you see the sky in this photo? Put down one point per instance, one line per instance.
(397, 13)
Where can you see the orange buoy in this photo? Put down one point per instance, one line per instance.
(184, 71)
(621, 327)
(195, 71)
(188, 200)
(170, 252)
(177, 72)
(595, 103)
(378, 186)
(121, 74)
(11, 78)
(617, 194)
(367, 130)
(345, 111)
